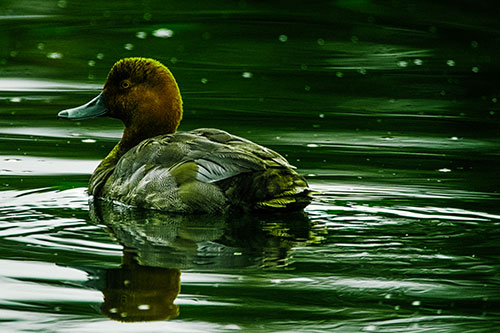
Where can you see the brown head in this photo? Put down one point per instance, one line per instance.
(143, 94)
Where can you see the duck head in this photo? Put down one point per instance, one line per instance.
(142, 93)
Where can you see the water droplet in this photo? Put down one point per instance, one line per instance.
(322, 115)
(283, 38)
(173, 60)
(474, 44)
(128, 46)
(416, 303)
(141, 35)
(62, 4)
(163, 33)
(204, 80)
(362, 71)
(123, 314)
(339, 74)
(450, 62)
(494, 100)
(15, 99)
(307, 87)
(418, 62)
(54, 55)
(144, 307)
(247, 75)
(388, 296)
(100, 56)
(321, 41)
(113, 310)
(475, 69)
(40, 46)
(278, 137)
(91, 63)
(403, 63)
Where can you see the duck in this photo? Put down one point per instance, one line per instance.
(154, 166)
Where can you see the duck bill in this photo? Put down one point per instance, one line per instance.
(92, 109)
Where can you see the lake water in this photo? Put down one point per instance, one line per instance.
(390, 110)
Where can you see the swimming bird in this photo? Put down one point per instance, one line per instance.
(201, 171)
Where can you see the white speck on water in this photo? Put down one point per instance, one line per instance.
(62, 4)
(312, 145)
(247, 75)
(113, 310)
(141, 35)
(362, 71)
(475, 69)
(418, 62)
(416, 303)
(163, 33)
(283, 38)
(454, 138)
(388, 296)
(100, 56)
(144, 307)
(128, 46)
(403, 63)
(89, 141)
(444, 170)
(237, 254)
(322, 115)
(123, 314)
(450, 62)
(54, 55)
(91, 63)
(15, 99)
(204, 80)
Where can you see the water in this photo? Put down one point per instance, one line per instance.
(390, 110)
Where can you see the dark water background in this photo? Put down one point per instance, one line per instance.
(389, 108)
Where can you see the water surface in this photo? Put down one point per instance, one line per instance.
(389, 110)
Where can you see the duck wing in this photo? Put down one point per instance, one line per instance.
(204, 169)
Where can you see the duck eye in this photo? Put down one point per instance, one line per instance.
(125, 84)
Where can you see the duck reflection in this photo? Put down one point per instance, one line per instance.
(157, 246)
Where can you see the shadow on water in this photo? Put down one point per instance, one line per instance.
(157, 246)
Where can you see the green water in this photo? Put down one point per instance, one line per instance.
(390, 110)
